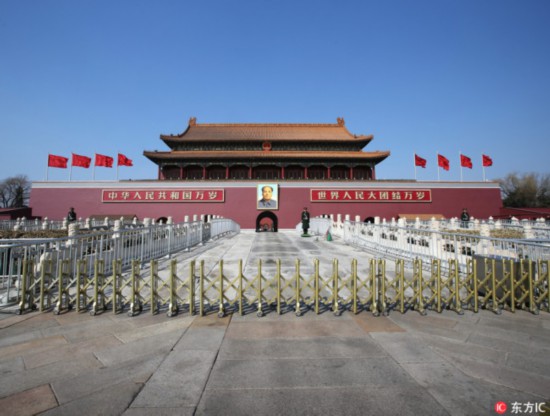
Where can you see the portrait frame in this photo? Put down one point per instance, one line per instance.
(266, 205)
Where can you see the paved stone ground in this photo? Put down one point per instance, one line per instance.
(440, 364)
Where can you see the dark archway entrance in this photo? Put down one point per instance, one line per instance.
(267, 221)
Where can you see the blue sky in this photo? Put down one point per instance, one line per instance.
(422, 76)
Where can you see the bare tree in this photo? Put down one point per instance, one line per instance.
(528, 190)
(15, 191)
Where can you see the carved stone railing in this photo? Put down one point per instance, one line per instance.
(443, 240)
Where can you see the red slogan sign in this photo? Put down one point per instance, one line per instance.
(378, 195)
(162, 195)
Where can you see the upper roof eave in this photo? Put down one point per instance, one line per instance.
(247, 155)
(365, 139)
(213, 132)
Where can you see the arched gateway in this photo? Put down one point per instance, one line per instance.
(267, 221)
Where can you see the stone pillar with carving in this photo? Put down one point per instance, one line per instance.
(485, 229)
(453, 224)
(116, 228)
(402, 233)
(528, 231)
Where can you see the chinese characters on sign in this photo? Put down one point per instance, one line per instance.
(162, 195)
(378, 195)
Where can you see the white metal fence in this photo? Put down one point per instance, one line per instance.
(143, 244)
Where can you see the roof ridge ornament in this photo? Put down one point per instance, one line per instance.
(341, 121)
(193, 121)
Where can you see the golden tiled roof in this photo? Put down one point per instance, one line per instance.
(266, 131)
(260, 136)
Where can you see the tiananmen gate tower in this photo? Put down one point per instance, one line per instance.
(262, 175)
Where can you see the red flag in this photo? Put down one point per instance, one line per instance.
(465, 162)
(418, 161)
(443, 162)
(487, 161)
(102, 160)
(82, 161)
(57, 161)
(124, 161)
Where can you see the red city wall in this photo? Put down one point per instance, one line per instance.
(53, 200)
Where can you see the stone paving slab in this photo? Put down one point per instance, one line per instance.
(160, 411)
(134, 350)
(156, 328)
(405, 347)
(298, 328)
(46, 374)
(350, 401)
(11, 365)
(311, 372)
(178, 382)
(430, 325)
(14, 340)
(36, 400)
(369, 323)
(79, 331)
(111, 401)
(462, 394)
(448, 349)
(180, 379)
(281, 348)
(73, 351)
(36, 345)
(14, 324)
(523, 381)
(68, 389)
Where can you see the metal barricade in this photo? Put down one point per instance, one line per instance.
(378, 286)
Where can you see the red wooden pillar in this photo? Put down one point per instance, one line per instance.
(351, 172)
(305, 173)
(181, 172)
(328, 172)
(282, 172)
(204, 172)
(250, 172)
(227, 172)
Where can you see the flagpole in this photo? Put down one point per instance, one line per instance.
(437, 157)
(71, 170)
(460, 160)
(414, 163)
(47, 170)
(483, 168)
(116, 166)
